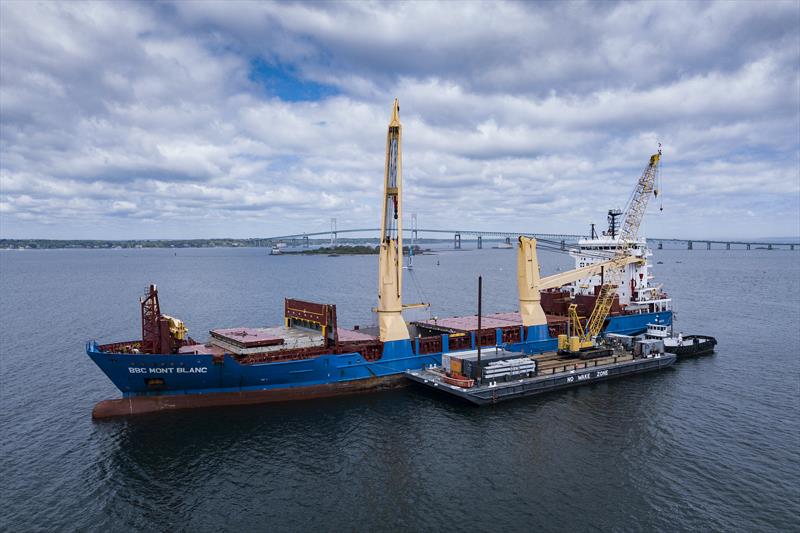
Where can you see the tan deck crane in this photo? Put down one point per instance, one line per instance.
(390, 282)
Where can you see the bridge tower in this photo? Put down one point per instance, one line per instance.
(410, 265)
(334, 235)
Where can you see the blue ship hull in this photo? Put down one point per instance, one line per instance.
(157, 382)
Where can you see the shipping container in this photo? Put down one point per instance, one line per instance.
(469, 360)
(455, 365)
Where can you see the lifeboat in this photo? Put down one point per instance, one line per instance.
(459, 381)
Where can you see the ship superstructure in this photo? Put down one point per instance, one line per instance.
(635, 293)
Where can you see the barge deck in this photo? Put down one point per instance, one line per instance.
(553, 373)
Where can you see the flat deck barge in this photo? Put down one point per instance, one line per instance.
(552, 373)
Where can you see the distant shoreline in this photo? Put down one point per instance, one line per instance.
(349, 247)
(342, 250)
(51, 244)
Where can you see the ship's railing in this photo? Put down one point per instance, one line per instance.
(130, 347)
(430, 345)
(464, 341)
(511, 335)
(459, 341)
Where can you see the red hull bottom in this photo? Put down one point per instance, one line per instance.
(136, 405)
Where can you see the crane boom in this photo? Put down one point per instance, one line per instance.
(632, 220)
(390, 277)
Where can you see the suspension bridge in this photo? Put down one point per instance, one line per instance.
(509, 237)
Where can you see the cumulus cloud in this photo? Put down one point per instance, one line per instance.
(255, 119)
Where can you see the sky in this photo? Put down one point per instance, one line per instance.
(246, 119)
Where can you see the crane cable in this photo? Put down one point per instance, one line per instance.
(418, 287)
(659, 189)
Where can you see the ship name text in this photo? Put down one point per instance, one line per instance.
(167, 370)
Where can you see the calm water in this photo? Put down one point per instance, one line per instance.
(711, 444)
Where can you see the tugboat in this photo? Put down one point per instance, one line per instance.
(690, 345)
(682, 346)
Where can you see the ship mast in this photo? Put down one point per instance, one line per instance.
(390, 278)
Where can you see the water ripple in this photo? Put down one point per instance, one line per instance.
(711, 444)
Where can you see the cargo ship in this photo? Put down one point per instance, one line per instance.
(310, 356)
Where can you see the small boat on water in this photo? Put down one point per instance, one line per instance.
(690, 345)
(681, 345)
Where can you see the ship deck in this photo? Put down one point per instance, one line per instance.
(469, 323)
(254, 341)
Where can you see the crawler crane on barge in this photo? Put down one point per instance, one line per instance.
(628, 237)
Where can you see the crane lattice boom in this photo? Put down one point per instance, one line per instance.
(628, 235)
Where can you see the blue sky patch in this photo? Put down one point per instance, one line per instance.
(284, 83)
